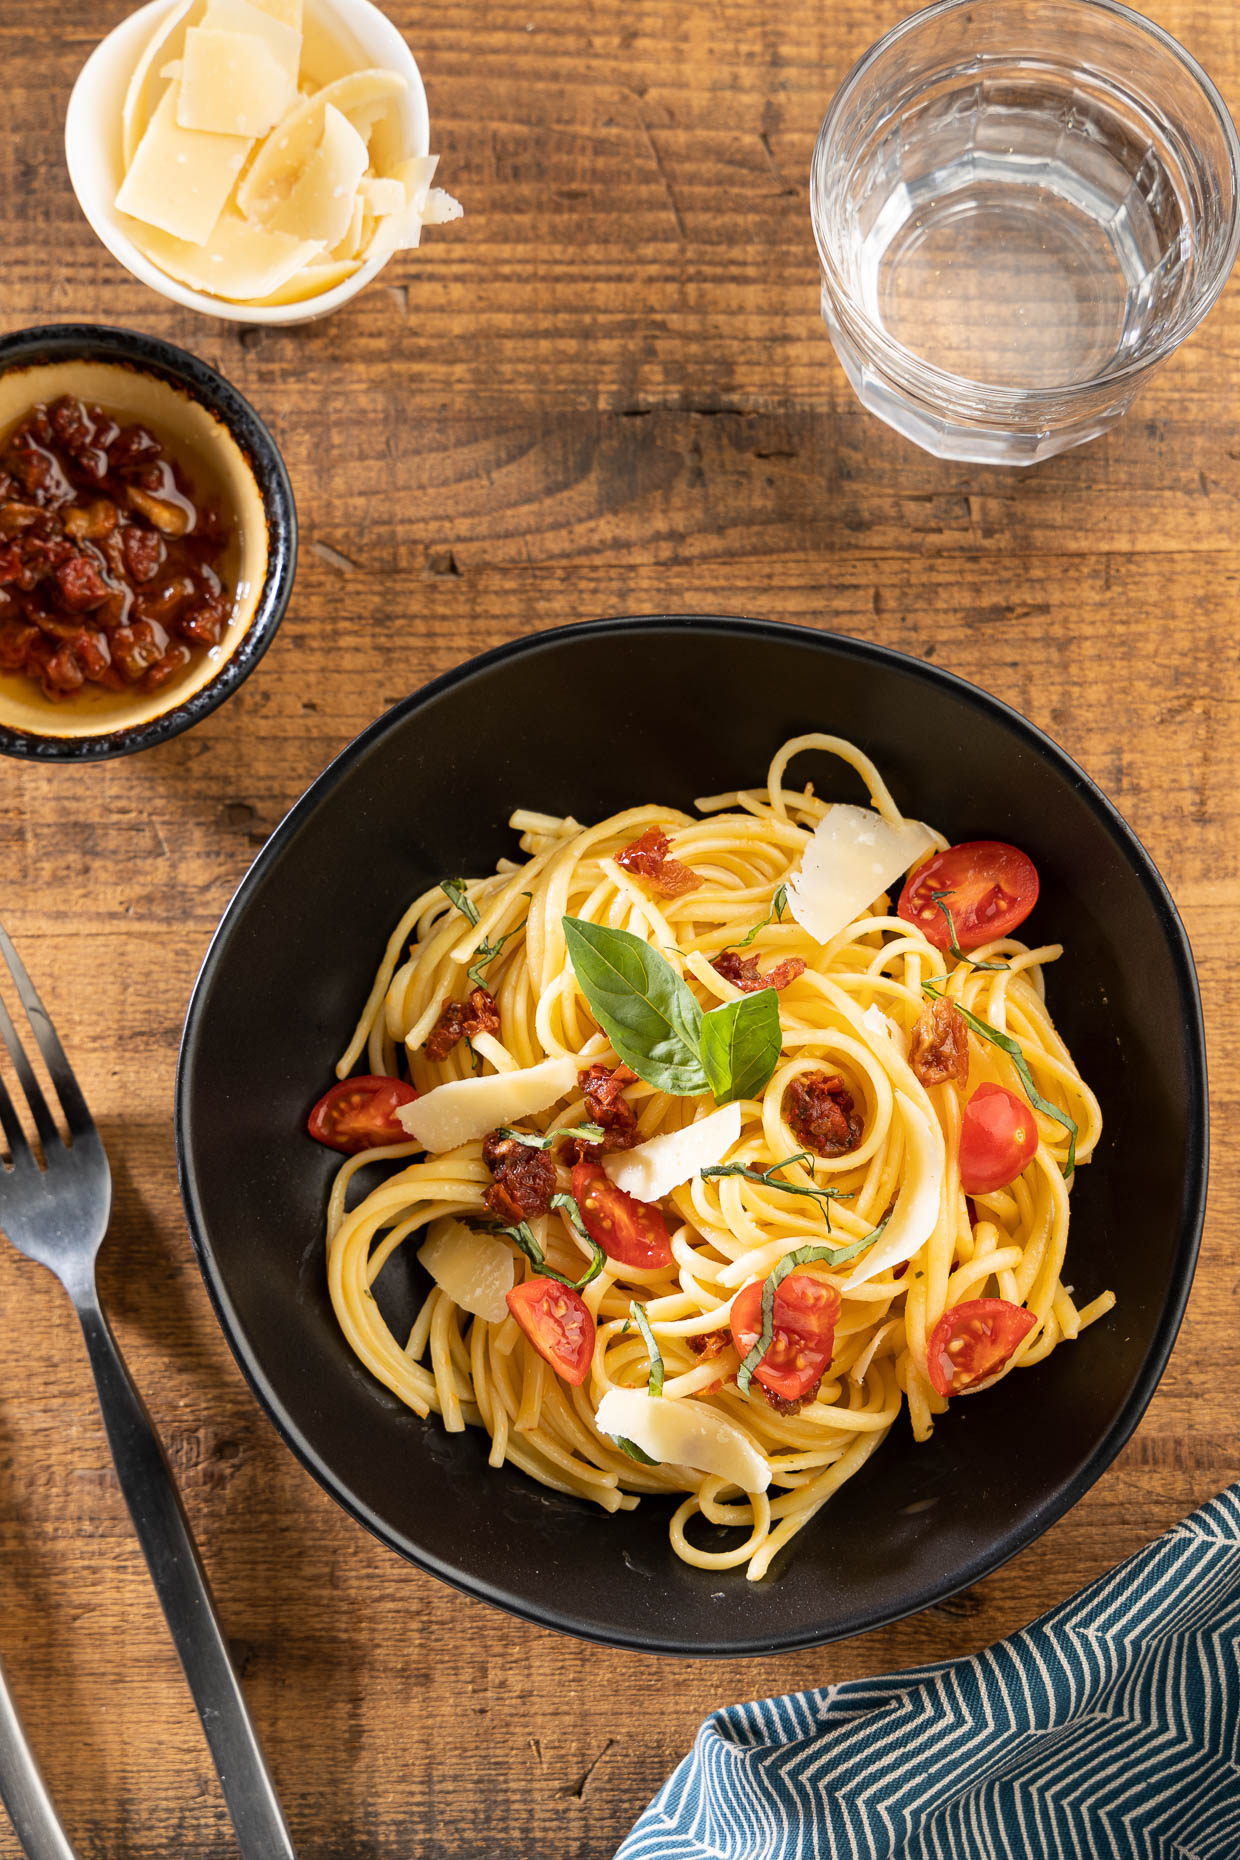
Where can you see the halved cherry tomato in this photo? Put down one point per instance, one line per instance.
(360, 1114)
(998, 1138)
(557, 1322)
(970, 1344)
(629, 1231)
(806, 1310)
(988, 887)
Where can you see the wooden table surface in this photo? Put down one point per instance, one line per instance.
(607, 391)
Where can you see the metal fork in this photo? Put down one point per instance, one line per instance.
(58, 1214)
(24, 1792)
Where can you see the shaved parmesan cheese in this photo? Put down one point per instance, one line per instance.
(441, 208)
(278, 163)
(281, 38)
(140, 96)
(180, 178)
(684, 1433)
(401, 231)
(885, 1030)
(351, 244)
(415, 176)
(382, 195)
(230, 84)
(467, 1108)
(288, 12)
(320, 203)
(311, 281)
(237, 261)
(654, 1169)
(331, 166)
(475, 1270)
(917, 1206)
(853, 856)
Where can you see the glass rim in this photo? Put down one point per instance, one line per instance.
(927, 377)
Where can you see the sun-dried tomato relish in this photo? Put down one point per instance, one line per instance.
(109, 563)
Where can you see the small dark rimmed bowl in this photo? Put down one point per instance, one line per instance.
(218, 434)
(564, 722)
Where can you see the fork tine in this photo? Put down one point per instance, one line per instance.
(77, 1115)
(44, 1121)
(15, 1136)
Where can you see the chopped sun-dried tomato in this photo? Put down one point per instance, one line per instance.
(647, 858)
(81, 584)
(939, 1047)
(462, 1020)
(95, 521)
(709, 1343)
(524, 1179)
(821, 1113)
(784, 1404)
(743, 971)
(602, 1086)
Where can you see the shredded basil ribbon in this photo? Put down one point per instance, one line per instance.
(589, 1133)
(657, 1027)
(779, 904)
(1011, 1047)
(487, 951)
(767, 1178)
(458, 896)
(638, 1314)
(523, 1236)
(804, 1256)
(937, 897)
(634, 1451)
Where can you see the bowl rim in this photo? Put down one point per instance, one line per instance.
(179, 369)
(1194, 1205)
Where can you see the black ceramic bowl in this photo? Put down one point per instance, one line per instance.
(232, 457)
(591, 719)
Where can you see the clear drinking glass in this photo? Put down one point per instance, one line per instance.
(1021, 208)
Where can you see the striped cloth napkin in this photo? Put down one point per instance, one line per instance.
(1108, 1729)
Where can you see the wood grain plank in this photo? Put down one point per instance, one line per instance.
(607, 391)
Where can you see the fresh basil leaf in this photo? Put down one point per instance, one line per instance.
(740, 1043)
(642, 1005)
(1011, 1047)
(634, 1451)
(457, 895)
(638, 1314)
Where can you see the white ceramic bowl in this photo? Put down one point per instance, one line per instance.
(96, 160)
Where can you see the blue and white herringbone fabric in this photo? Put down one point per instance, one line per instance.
(1109, 1730)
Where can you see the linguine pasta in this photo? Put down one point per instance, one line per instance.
(850, 1013)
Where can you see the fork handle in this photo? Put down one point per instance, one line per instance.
(181, 1585)
(24, 1792)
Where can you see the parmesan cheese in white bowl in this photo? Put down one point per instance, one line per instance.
(257, 160)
